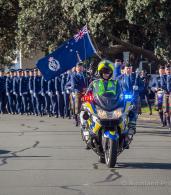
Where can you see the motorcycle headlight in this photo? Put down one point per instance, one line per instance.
(102, 114)
(109, 115)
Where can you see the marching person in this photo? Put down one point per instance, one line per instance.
(2, 91)
(157, 87)
(166, 84)
(145, 93)
(16, 91)
(131, 83)
(78, 86)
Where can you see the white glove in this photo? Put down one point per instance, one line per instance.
(42, 94)
(34, 94)
(63, 93)
(49, 93)
(57, 92)
(14, 93)
(7, 94)
(154, 89)
(31, 92)
(67, 91)
(135, 87)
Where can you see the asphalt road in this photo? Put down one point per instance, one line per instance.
(40, 156)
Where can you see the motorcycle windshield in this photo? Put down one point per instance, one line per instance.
(108, 101)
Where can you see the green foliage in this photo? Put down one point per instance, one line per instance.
(8, 25)
(154, 17)
(44, 24)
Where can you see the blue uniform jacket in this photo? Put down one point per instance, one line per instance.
(2, 84)
(31, 78)
(78, 82)
(37, 84)
(9, 85)
(128, 81)
(24, 85)
(44, 85)
(16, 84)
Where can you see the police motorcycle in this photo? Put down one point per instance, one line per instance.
(104, 121)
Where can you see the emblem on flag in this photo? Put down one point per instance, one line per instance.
(81, 33)
(54, 64)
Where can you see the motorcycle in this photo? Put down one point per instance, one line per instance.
(104, 121)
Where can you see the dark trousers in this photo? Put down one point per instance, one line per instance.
(25, 101)
(67, 105)
(53, 104)
(2, 102)
(47, 103)
(11, 103)
(19, 105)
(60, 102)
(39, 103)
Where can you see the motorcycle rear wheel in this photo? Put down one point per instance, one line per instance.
(111, 148)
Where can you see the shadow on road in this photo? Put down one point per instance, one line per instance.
(144, 165)
(4, 152)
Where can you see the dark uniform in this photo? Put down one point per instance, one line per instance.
(37, 94)
(52, 96)
(44, 93)
(9, 93)
(59, 96)
(145, 93)
(157, 87)
(16, 92)
(166, 85)
(24, 92)
(2, 92)
(132, 84)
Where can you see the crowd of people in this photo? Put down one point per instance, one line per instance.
(27, 92)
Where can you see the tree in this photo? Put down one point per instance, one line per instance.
(9, 10)
(153, 17)
(139, 26)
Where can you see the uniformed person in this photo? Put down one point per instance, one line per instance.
(9, 92)
(52, 96)
(16, 91)
(145, 93)
(44, 93)
(37, 92)
(2, 91)
(131, 83)
(24, 91)
(166, 85)
(78, 86)
(157, 87)
(59, 96)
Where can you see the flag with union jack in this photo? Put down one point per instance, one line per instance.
(81, 33)
(66, 56)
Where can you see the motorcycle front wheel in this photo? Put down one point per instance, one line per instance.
(110, 151)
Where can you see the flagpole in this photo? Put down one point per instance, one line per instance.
(97, 49)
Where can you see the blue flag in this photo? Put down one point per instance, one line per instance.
(78, 48)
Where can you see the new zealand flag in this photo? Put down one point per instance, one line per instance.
(78, 48)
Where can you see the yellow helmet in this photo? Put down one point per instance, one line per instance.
(105, 66)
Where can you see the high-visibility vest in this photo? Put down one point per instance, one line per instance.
(99, 88)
